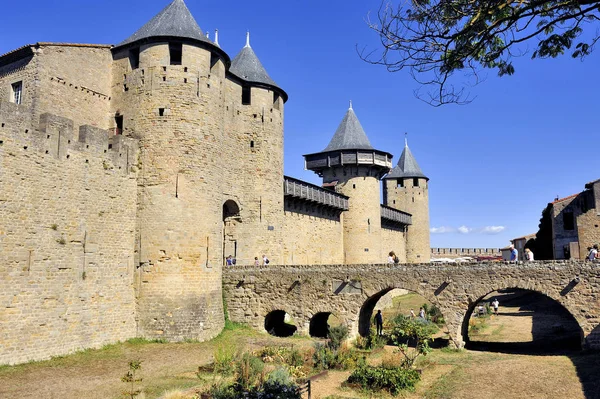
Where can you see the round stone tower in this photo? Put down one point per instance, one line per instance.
(352, 167)
(406, 188)
(169, 79)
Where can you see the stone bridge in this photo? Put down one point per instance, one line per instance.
(261, 295)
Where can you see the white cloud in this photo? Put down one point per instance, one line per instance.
(464, 229)
(442, 230)
(468, 230)
(493, 229)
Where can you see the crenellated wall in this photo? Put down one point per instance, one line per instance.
(67, 233)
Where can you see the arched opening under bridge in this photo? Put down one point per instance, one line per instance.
(527, 322)
(394, 302)
(280, 324)
(320, 324)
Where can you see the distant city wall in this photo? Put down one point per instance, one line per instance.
(460, 252)
(67, 234)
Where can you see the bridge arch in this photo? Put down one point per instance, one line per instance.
(277, 325)
(366, 313)
(473, 304)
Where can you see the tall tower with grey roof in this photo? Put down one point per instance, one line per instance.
(406, 188)
(202, 122)
(352, 166)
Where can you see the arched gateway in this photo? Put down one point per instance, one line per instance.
(351, 291)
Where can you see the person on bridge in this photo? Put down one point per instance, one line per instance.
(593, 253)
(379, 323)
(514, 254)
(528, 255)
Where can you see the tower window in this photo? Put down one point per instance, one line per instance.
(161, 112)
(17, 92)
(246, 95)
(415, 182)
(175, 53)
(276, 100)
(119, 124)
(214, 59)
(400, 183)
(252, 144)
(134, 58)
(568, 221)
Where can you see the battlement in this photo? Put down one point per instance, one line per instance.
(56, 136)
(459, 252)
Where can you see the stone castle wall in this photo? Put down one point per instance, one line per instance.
(312, 234)
(460, 252)
(67, 224)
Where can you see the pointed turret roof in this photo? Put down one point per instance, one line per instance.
(247, 66)
(175, 20)
(349, 135)
(407, 166)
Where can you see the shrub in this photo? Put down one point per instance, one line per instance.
(434, 314)
(276, 390)
(391, 379)
(412, 336)
(337, 335)
(281, 376)
(371, 341)
(224, 361)
(326, 358)
(250, 372)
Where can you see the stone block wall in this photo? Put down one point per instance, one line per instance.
(312, 235)
(252, 293)
(67, 233)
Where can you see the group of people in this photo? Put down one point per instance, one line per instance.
(231, 261)
(514, 254)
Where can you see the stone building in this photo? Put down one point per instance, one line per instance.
(574, 222)
(128, 173)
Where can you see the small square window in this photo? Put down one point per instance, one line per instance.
(415, 182)
(17, 92)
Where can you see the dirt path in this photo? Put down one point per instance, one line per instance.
(97, 374)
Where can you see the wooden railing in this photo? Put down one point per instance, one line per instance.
(395, 215)
(303, 190)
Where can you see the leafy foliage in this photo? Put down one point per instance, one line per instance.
(412, 336)
(434, 314)
(392, 379)
(434, 39)
(337, 336)
(131, 379)
(371, 341)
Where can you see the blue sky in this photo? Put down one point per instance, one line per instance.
(494, 164)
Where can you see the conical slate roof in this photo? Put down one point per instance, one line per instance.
(349, 135)
(247, 66)
(175, 20)
(407, 166)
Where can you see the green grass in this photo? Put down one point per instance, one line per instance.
(446, 385)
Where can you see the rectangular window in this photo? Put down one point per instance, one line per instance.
(400, 183)
(275, 100)
(568, 221)
(134, 58)
(214, 60)
(246, 95)
(175, 53)
(119, 124)
(415, 182)
(17, 92)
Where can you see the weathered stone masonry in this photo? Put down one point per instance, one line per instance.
(67, 228)
(303, 291)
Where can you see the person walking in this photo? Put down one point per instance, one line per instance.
(391, 257)
(495, 305)
(528, 255)
(593, 253)
(256, 261)
(379, 323)
(412, 314)
(514, 254)
(422, 313)
(265, 260)
(229, 260)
